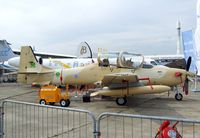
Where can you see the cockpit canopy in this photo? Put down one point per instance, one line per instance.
(121, 59)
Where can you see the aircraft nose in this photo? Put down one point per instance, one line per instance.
(183, 74)
(14, 61)
(190, 74)
(178, 74)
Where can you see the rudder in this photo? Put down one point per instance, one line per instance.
(30, 71)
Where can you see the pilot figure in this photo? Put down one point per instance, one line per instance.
(129, 63)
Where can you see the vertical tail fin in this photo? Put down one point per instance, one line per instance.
(84, 50)
(30, 71)
(28, 61)
(5, 51)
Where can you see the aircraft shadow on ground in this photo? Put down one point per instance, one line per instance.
(154, 105)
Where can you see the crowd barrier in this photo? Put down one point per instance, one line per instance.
(28, 120)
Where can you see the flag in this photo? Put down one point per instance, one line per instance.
(189, 49)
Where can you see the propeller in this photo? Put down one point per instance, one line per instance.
(189, 61)
(186, 83)
(186, 86)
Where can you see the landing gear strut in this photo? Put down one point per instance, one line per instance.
(178, 96)
(86, 97)
(121, 100)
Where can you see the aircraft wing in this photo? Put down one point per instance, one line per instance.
(47, 55)
(84, 51)
(5, 51)
(119, 80)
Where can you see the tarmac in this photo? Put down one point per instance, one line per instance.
(149, 104)
(30, 122)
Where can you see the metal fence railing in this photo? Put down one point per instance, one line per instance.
(1, 122)
(115, 125)
(23, 120)
(27, 120)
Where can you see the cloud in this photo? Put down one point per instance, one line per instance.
(59, 26)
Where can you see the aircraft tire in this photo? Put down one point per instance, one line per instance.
(42, 102)
(68, 102)
(64, 103)
(179, 97)
(121, 101)
(86, 97)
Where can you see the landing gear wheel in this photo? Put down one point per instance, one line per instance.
(42, 102)
(121, 101)
(86, 97)
(179, 97)
(64, 103)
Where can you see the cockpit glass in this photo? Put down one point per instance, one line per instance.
(153, 63)
(130, 60)
(106, 58)
(147, 66)
(121, 59)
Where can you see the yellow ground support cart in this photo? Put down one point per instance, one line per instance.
(51, 94)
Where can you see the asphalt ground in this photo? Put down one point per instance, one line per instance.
(162, 104)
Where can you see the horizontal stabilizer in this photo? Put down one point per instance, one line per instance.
(41, 79)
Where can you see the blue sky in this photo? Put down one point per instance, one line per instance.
(139, 26)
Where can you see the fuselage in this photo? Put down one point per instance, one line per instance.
(66, 63)
(158, 75)
(57, 63)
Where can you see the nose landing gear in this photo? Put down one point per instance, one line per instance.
(178, 95)
(121, 101)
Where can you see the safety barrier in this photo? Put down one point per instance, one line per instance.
(115, 125)
(23, 120)
(1, 122)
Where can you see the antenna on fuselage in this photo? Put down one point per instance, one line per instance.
(178, 27)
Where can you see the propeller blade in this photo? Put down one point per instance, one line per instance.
(188, 63)
(186, 86)
(186, 83)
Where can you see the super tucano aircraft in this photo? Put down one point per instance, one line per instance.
(126, 76)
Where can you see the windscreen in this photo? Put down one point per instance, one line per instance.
(106, 58)
(120, 59)
(130, 60)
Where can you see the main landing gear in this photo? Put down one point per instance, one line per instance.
(178, 95)
(86, 97)
(121, 100)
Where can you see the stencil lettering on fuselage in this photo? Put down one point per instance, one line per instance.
(153, 73)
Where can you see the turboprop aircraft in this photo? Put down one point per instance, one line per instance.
(84, 57)
(126, 76)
